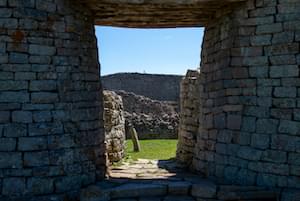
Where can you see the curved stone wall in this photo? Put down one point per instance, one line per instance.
(51, 129)
(249, 128)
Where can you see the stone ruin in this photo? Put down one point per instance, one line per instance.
(114, 124)
(152, 119)
(51, 108)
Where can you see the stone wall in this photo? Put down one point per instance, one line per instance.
(249, 126)
(151, 118)
(188, 123)
(51, 127)
(154, 86)
(114, 126)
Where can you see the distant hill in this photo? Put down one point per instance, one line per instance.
(155, 86)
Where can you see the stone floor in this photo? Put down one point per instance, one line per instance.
(152, 180)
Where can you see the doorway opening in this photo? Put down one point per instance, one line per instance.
(141, 74)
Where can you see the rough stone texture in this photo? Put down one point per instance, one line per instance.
(114, 123)
(248, 131)
(188, 124)
(51, 127)
(154, 86)
(152, 119)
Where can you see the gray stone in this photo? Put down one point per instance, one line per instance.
(178, 198)
(13, 186)
(284, 37)
(290, 127)
(285, 92)
(13, 85)
(14, 97)
(67, 183)
(42, 116)
(234, 122)
(257, 111)
(260, 141)
(44, 97)
(150, 199)
(294, 158)
(267, 180)
(40, 59)
(290, 195)
(286, 48)
(4, 116)
(32, 143)
(259, 71)
(249, 153)
(22, 117)
(284, 71)
(46, 128)
(204, 189)
(42, 50)
(36, 159)
(8, 23)
(179, 188)
(283, 60)
(255, 61)
(248, 124)
(42, 85)
(25, 76)
(7, 144)
(284, 102)
(274, 156)
(220, 121)
(137, 190)
(260, 40)
(15, 130)
(40, 185)
(18, 58)
(269, 28)
(266, 126)
(28, 24)
(10, 160)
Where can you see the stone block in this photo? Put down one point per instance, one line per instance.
(36, 159)
(14, 97)
(204, 189)
(42, 50)
(3, 3)
(4, 116)
(249, 153)
(260, 141)
(274, 156)
(179, 188)
(174, 198)
(255, 61)
(7, 144)
(46, 6)
(32, 143)
(13, 186)
(294, 159)
(40, 59)
(39, 186)
(18, 58)
(266, 126)
(285, 142)
(46, 128)
(10, 160)
(283, 37)
(5, 12)
(230, 173)
(9, 23)
(284, 71)
(281, 49)
(294, 170)
(283, 60)
(42, 116)
(28, 24)
(281, 113)
(25, 76)
(22, 117)
(15, 130)
(259, 71)
(269, 28)
(220, 120)
(268, 180)
(290, 195)
(289, 127)
(94, 193)
(225, 136)
(261, 112)
(6, 75)
(42, 85)
(284, 102)
(13, 85)
(44, 97)
(234, 122)
(285, 92)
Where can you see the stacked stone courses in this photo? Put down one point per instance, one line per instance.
(249, 126)
(51, 130)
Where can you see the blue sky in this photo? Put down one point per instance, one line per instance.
(163, 51)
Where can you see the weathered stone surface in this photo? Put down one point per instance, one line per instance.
(135, 190)
(204, 189)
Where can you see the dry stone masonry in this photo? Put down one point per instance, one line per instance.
(188, 123)
(114, 126)
(152, 119)
(51, 127)
(52, 140)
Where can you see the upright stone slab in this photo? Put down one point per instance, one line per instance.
(51, 129)
(249, 130)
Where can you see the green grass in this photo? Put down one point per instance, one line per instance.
(152, 149)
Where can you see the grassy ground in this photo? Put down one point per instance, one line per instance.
(152, 149)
